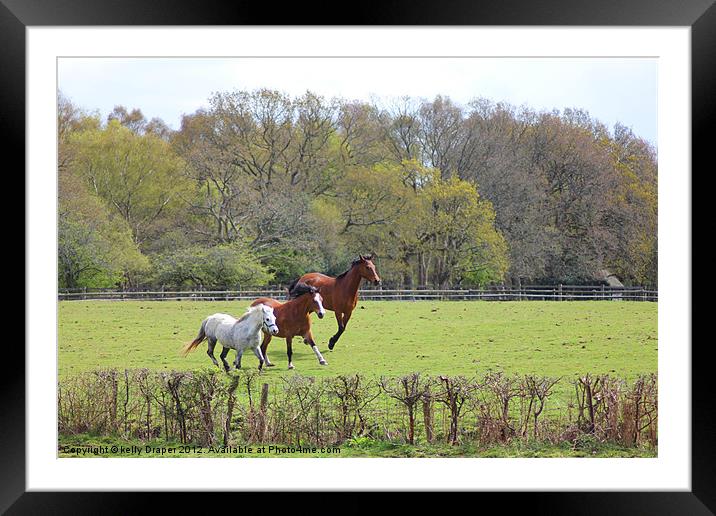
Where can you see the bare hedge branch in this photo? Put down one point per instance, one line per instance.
(211, 408)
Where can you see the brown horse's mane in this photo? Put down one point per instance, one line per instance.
(301, 288)
(353, 264)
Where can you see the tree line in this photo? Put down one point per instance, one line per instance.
(259, 187)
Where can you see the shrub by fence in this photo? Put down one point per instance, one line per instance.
(211, 408)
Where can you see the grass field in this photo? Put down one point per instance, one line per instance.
(383, 338)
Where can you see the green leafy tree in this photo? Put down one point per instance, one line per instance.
(632, 214)
(370, 196)
(71, 119)
(139, 176)
(455, 236)
(95, 247)
(424, 229)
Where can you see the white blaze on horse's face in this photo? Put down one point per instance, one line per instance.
(319, 303)
(269, 320)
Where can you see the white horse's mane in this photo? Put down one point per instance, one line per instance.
(249, 312)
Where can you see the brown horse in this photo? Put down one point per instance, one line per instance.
(340, 294)
(293, 319)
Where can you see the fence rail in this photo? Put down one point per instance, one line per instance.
(492, 293)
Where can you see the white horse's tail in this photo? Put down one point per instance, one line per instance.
(194, 343)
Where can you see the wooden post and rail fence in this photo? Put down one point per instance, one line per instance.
(491, 293)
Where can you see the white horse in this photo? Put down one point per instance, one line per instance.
(237, 334)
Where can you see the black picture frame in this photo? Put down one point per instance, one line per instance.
(700, 15)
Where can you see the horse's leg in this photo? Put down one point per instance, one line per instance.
(309, 340)
(289, 351)
(346, 318)
(332, 341)
(342, 319)
(225, 352)
(260, 356)
(237, 362)
(210, 351)
(264, 347)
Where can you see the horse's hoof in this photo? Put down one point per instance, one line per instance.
(331, 344)
(323, 362)
(290, 366)
(269, 365)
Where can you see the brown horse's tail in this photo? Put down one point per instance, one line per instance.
(194, 343)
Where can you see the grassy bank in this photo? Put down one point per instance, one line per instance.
(93, 446)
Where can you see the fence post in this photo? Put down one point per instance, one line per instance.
(262, 412)
(560, 292)
(428, 414)
(230, 408)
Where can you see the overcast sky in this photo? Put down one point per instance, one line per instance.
(611, 89)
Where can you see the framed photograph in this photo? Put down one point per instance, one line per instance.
(471, 238)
